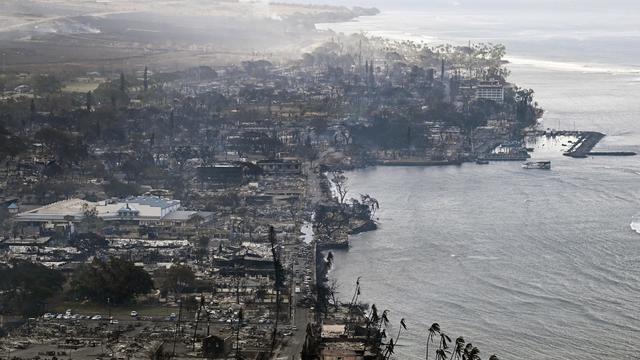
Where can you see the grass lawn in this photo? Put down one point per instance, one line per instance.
(81, 87)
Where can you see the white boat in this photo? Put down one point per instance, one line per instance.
(544, 165)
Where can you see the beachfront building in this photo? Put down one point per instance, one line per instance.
(490, 90)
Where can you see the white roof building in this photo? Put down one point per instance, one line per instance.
(139, 208)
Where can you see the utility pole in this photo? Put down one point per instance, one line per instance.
(240, 318)
(291, 290)
(195, 330)
(360, 56)
(238, 289)
(175, 335)
(208, 326)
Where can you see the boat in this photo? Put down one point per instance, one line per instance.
(544, 165)
(482, 161)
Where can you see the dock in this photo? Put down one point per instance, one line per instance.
(520, 156)
(587, 140)
(613, 153)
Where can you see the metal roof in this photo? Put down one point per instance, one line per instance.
(153, 201)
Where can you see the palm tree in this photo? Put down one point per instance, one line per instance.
(433, 331)
(441, 354)
(493, 357)
(384, 320)
(475, 354)
(470, 352)
(389, 350)
(381, 334)
(467, 351)
(403, 325)
(373, 315)
(391, 345)
(356, 293)
(444, 341)
(239, 324)
(330, 259)
(372, 319)
(354, 300)
(457, 349)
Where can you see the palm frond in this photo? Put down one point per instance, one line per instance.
(435, 328)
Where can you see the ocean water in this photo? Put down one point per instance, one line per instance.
(526, 264)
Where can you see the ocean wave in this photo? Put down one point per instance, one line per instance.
(595, 68)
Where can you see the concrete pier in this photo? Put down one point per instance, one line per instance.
(586, 142)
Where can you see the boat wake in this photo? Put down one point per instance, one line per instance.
(635, 223)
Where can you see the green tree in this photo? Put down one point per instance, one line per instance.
(116, 281)
(89, 242)
(177, 278)
(202, 247)
(91, 222)
(339, 180)
(117, 188)
(123, 83)
(26, 287)
(89, 100)
(46, 84)
(68, 148)
(329, 220)
(10, 145)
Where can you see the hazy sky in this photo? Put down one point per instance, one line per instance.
(509, 4)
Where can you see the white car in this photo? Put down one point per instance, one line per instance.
(134, 314)
(114, 321)
(96, 317)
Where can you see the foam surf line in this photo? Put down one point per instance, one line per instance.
(573, 66)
